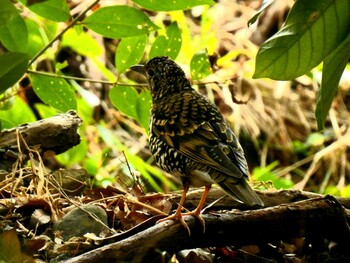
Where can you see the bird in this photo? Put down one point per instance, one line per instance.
(189, 138)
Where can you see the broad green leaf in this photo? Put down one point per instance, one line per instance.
(266, 174)
(133, 104)
(200, 65)
(144, 104)
(18, 114)
(124, 98)
(12, 67)
(265, 4)
(13, 30)
(10, 247)
(35, 38)
(119, 21)
(51, 30)
(85, 112)
(46, 111)
(166, 5)
(129, 52)
(74, 155)
(313, 29)
(55, 92)
(55, 10)
(82, 43)
(333, 67)
(168, 45)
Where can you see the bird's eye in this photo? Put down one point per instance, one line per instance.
(151, 72)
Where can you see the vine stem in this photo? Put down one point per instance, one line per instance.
(74, 21)
(83, 79)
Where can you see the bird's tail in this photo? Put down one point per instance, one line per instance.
(242, 191)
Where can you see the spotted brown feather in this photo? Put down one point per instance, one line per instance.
(190, 138)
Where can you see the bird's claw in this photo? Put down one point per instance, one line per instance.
(178, 217)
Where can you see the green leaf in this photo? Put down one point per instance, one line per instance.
(266, 174)
(35, 38)
(129, 52)
(144, 104)
(82, 43)
(45, 111)
(265, 4)
(124, 98)
(55, 10)
(162, 5)
(200, 65)
(13, 29)
(74, 155)
(85, 112)
(313, 29)
(12, 67)
(18, 114)
(55, 92)
(333, 68)
(119, 21)
(133, 104)
(168, 45)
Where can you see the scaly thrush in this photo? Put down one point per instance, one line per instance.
(191, 139)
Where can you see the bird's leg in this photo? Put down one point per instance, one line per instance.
(178, 214)
(197, 211)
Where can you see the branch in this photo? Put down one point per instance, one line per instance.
(58, 134)
(313, 219)
(218, 199)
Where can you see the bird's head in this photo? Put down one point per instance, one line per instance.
(164, 77)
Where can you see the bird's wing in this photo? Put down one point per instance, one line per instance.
(199, 132)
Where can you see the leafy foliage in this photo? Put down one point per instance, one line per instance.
(200, 66)
(175, 4)
(129, 52)
(12, 67)
(28, 42)
(123, 21)
(33, 39)
(168, 45)
(46, 86)
(266, 175)
(17, 114)
(314, 31)
(13, 30)
(131, 103)
(55, 10)
(80, 61)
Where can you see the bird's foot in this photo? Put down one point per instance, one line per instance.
(196, 214)
(179, 217)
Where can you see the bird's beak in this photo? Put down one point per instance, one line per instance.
(138, 68)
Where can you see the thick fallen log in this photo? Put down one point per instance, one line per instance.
(313, 219)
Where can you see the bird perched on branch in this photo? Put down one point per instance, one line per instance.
(189, 138)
